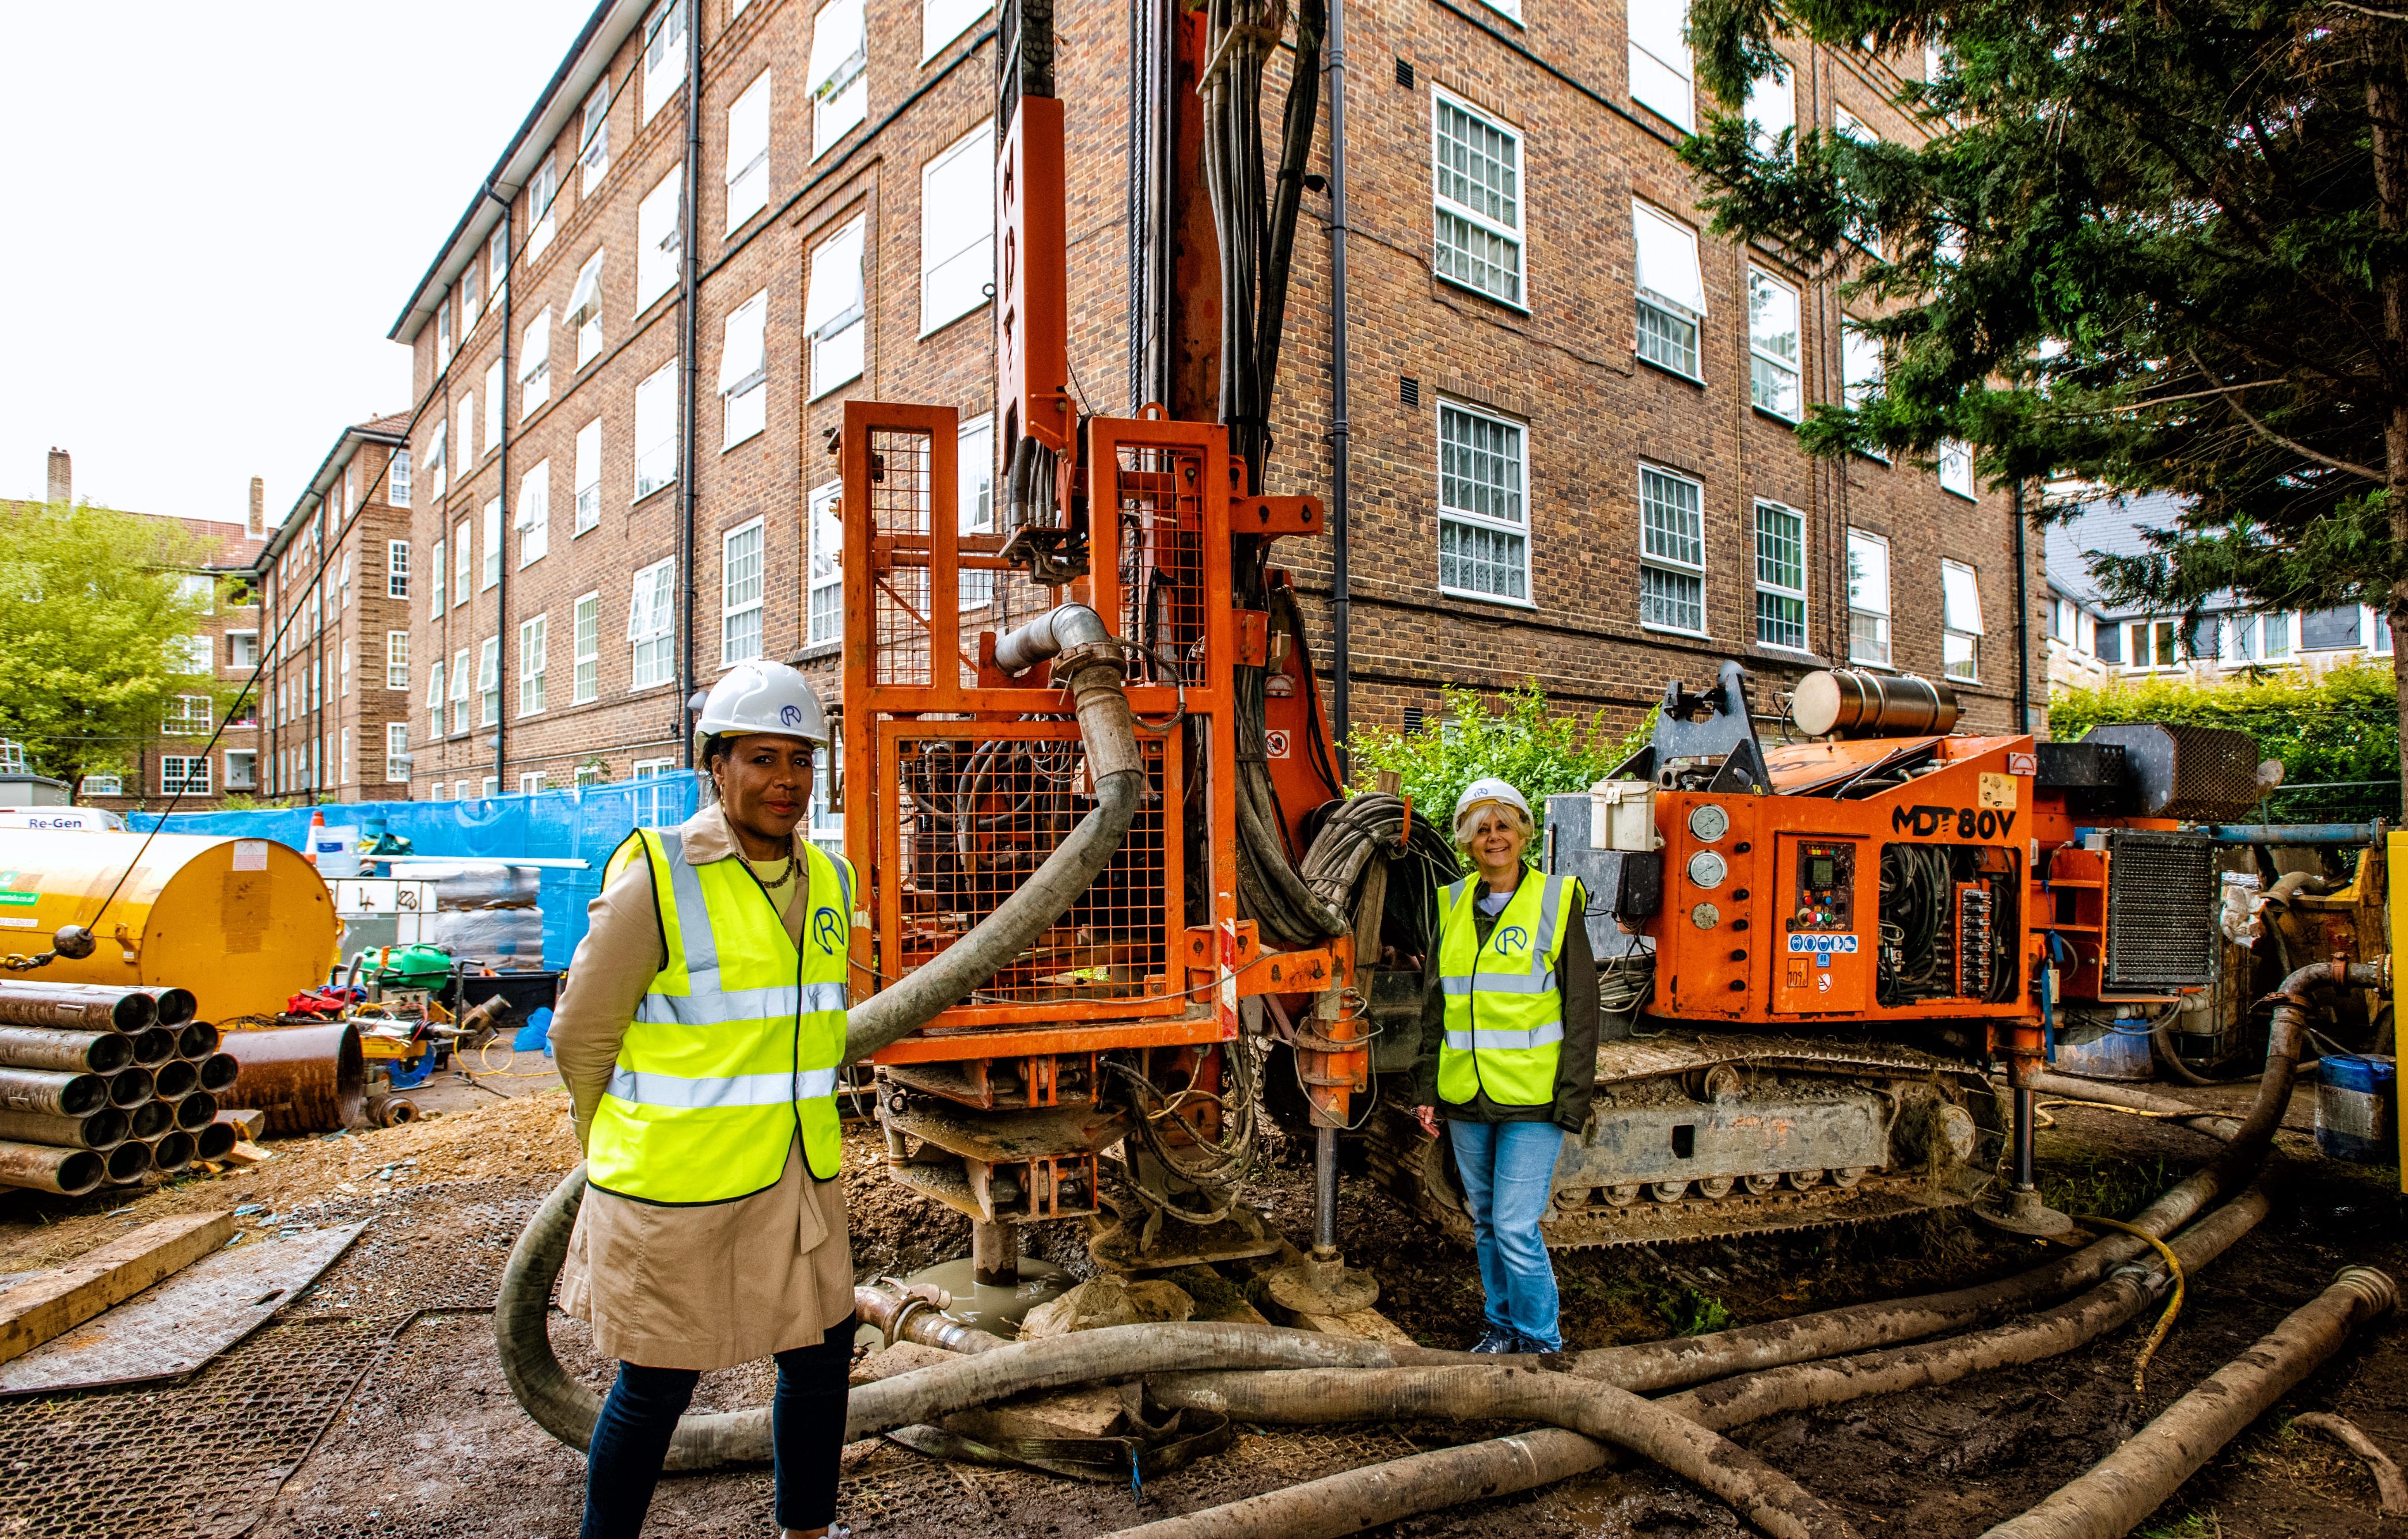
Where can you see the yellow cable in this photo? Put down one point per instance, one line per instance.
(2173, 1305)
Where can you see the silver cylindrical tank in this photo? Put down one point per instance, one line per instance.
(1853, 703)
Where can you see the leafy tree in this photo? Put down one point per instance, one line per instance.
(2157, 247)
(1537, 752)
(92, 604)
(2340, 725)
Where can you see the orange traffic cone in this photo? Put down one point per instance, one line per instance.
(309, 845)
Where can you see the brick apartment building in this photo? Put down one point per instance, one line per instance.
(1572, 453)
(336, 582)
(222, 651)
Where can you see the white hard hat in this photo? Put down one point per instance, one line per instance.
(763, 697)
(1487, 789)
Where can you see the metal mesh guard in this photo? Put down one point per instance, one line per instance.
(2160, 911)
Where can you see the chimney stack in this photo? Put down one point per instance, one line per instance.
(258, 525)
(62, 488)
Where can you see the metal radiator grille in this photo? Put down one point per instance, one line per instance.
(977, 814)
(2160, 911)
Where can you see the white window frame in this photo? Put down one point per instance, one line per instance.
(942, 20)
(489, 570)
(660, 237)
(838, 82)
(435, 589)
(957, 229)
(747, 175)
(744, 372)
(663, 65)
(1860, 597)
(1770, 587)
(184, 773)
(1862, 372)
(102, 784)
(461, 679)
(1481, 221)
(443, 334)
(239, 657)
(534, 782)
(397, 569)
(1847, 125)
(489, 682)
(1954, 465)
(743, 579)
(589, 477)
(585, 640)
(435, 681)
(1675, 298)
(656, 448)
(396, 659)
(835, 313)
(248, 777)
(594, 138)
(585, 307)
(188, 716)
(495, 402)
(535, 363)
(200, 654)
(436, 477)
(1771, 110)
(498, 265)
(824, 585)
(396, 753)
(396, 477)
(1775, 384)
(543, 191)
(1473, 522)
(652, 625)
(974, 501)
(534, 521)
(1660, 551)
(1961, 625)
(1663, 71)
(534, 643)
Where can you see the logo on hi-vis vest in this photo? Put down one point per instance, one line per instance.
(827, 928)
(1512, 938)
(1846, 945)
(1964, 822)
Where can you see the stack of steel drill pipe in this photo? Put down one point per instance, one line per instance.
(101, 1084)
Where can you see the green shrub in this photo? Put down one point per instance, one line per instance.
(2340, 725)
(1538, 752)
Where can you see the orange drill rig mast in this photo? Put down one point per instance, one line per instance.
(1140, 542)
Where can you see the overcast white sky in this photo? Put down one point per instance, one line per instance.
(216, 212)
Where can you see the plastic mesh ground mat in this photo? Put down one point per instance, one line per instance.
(201, 1458)
(435, 1247)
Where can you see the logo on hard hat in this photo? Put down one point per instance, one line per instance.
(791, 715)
(827, 928)
(1512, 938)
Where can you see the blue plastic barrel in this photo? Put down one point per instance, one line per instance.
(2357, 1100)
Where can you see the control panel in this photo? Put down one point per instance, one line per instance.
(1824, 885)
(1825, 964)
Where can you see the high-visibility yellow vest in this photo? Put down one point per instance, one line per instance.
(734, 1053)
(1504, 1009)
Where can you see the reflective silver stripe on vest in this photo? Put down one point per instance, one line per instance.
(721, 1008)
(843, 883)
(1548, 903)
(1455, 892)
(1491, 1041)
(694, 917)
(744, 1089)
(1499, 983)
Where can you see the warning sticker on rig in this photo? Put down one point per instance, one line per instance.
(1996, 791)
(1846, 945)
(9, 923)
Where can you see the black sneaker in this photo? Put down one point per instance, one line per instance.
(1498, 1340)
(1533, 1346)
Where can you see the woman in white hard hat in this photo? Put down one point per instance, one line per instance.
(699, 1034)
(1509, 1053)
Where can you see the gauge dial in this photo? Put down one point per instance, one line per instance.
(1708, 821)
(1705, 916)
(1707, 869)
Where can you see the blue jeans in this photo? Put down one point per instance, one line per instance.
(641, 1413)
(1509, 1173)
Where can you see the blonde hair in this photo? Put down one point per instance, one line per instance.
(1468, 824)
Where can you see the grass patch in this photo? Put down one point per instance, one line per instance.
(2190, 1526)
(2105, 1185)
(1691, 1313)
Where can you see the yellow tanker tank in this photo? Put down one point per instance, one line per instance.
(243, 923)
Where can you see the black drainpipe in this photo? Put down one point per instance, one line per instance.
(2023, 613)
(509, 514)
(689, 283)
(1341, 615)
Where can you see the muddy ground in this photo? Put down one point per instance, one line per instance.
(416, 1434)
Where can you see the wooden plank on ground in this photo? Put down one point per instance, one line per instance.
(50, 1302)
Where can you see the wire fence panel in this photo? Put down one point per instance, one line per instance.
(2332, 801)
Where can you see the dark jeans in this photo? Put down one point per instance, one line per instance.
(640, 1415)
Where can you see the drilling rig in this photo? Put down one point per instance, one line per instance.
(1817, 951)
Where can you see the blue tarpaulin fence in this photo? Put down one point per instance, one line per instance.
(586, 823)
